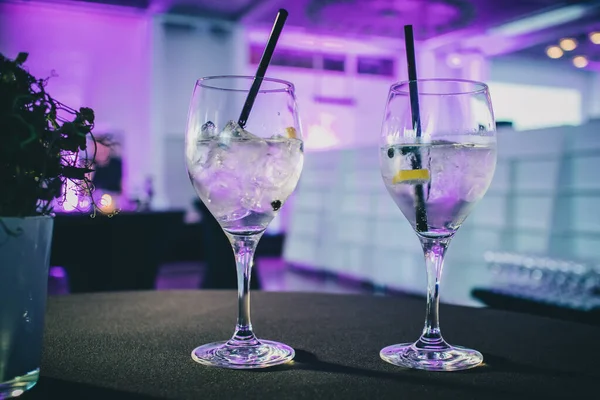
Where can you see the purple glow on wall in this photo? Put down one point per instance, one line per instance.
(321, 135)
(339, 109)
(302, 40)
(454, 60)
(70, 201)
(101, 56)
(58, 272)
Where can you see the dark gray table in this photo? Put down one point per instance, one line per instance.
(138, 345)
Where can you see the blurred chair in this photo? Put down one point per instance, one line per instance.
(111, 254)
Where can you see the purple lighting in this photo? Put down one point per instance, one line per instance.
(321, 135)
(454, 61)
(57, 272)
(101, 56)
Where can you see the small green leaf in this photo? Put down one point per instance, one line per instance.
(75, 173)
(69, 144)
(87, 114)
(21, 58)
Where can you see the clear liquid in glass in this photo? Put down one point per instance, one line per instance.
(453, 178)
(244, 181)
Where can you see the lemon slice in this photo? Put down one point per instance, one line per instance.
(291, 132)
(414, 176)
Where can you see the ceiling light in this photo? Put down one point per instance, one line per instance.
(554, 52)
(454, 61)
(568, 44)
(595, 37)
(580, 62)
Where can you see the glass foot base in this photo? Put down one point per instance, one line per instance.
(264, 354)
(452, 358)
(19, 385)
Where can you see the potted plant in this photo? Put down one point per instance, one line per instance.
(43, 143)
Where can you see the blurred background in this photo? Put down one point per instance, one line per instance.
(532, 244)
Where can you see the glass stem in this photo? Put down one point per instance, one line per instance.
(434, 251)
(243, 248)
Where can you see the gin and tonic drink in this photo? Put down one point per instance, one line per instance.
(244, 175)
(454, 177)
(436, 168)
(244, 179)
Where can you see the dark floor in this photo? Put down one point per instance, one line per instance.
(274, 275)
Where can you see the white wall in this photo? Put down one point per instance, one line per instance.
(188, 55)
(352, 125)
(534, 107)
(102, 57)
(549, 73)
(542, 201)
(594, 104)
(185, 50)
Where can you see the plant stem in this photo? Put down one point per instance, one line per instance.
(244, 247)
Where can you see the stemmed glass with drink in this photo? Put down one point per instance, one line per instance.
(437, 158)
(244, 154)
(243, 176)
(436, 179)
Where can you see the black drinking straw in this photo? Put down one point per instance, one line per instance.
(421, 217)
(262, 66)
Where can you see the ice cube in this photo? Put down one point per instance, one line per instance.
(270, 199)
(262, 200)
(198, 150)
(478, 172)
(274, 170)
(252, 150)
(208, 131)
(240, 156)
(199, 154)
(245, 135)
(278, 137)
(233, 131)
(205, 157)
(221, 191)
(215, 158)
(252, 198)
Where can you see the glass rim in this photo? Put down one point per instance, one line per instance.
(288, 87)
(401, 88)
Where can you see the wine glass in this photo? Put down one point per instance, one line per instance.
(243, 175)
(437, 159)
